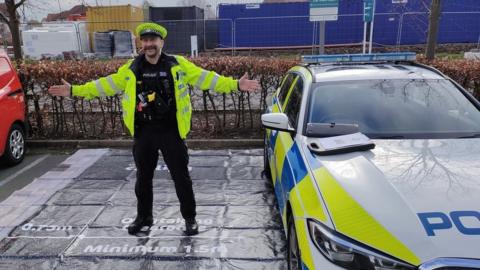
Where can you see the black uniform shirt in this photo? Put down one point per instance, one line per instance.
(157, 78)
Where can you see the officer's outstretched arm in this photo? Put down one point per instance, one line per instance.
(206, 80)
(105, 86)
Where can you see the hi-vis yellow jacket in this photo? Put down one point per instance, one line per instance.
(183, 72)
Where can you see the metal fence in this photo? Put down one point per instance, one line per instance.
(240, 111)
(231, 35)
(455, 27)
(390, 29)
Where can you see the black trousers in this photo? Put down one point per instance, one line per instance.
(148, 140)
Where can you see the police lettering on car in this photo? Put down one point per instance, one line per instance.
(374, 160)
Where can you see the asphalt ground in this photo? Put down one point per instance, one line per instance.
(35, 164)
(75, 216)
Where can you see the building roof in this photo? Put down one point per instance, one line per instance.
(78, 9)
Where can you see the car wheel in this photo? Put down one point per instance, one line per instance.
(266, 163)
(293, 255)
(15, 146)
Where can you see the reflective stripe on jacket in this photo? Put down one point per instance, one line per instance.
(183, 72)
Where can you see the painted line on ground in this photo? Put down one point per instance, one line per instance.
(26, 168)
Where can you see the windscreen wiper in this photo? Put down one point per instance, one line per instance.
(320, 130)
(476, 135)
(390, 137)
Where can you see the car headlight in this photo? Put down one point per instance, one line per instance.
(350, 254)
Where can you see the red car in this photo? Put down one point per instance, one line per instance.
(12, 114)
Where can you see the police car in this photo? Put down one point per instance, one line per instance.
(375, 161)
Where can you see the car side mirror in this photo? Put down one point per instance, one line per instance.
(276, 121)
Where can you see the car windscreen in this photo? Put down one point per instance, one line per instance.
(396, 108)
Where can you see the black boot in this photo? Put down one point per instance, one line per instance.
(138, 224)
(191, 227)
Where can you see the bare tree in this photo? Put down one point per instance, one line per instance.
(13, 21)
(433, 29)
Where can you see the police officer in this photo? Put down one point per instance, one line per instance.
(157, 112)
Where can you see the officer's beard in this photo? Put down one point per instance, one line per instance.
(152, 52)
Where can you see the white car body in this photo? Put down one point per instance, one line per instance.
(413, 200)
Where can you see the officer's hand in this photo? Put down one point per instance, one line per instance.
(62, 90)
(245, 84)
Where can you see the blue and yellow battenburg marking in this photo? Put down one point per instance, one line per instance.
(293, 182)
(351, 219)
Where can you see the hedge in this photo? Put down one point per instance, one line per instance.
(236, 114)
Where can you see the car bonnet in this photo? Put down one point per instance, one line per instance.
(416, 200)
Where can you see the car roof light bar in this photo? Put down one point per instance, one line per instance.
(335, 58)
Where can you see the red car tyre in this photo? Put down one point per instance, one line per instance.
(15, 146)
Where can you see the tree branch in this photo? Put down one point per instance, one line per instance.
(17, 5)
(4, 18)
(426, 6)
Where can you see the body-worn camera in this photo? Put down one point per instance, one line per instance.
(152, 102)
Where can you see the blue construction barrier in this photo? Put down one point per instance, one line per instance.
(287, 24)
